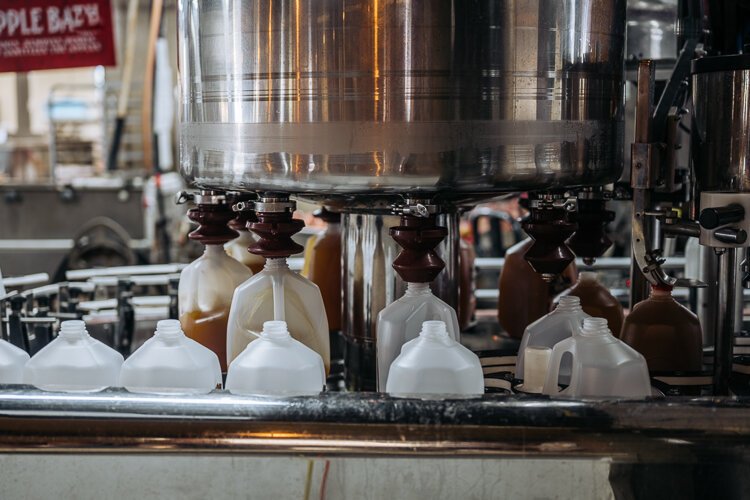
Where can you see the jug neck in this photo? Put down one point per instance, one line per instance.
(417, 289)
(169, 330)
(595, 328)
(275, 330)
(73, 330)
(569, 304)
(276, 264)
(435, 331)
(214, 250)
(659, 293)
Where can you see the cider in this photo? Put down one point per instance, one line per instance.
(208, 328)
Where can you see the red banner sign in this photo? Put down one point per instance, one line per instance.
(49, 34)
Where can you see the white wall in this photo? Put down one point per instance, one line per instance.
(83, 477)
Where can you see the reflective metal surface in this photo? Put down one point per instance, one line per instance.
(678, 430)
(721, 129)
(651, 29)
(389, 96)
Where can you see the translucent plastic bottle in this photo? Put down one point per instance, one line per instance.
(276, 364)
(602, 366)
(205, 295)
(596, 300)
(237, 249)
(277, 293)
(323, 261)
(12, 361)
(434, 363)
(667, 334)
(564, 321)
(170, 363)
(401, 321)
(74, 362)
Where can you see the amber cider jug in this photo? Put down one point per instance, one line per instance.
(665, 332)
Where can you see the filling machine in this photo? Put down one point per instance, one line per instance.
(403, 114)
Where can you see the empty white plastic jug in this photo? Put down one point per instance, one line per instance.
(74, 362)
(171, 363)
(602, 366)
(434, 363)
(561, 323)
(278, 294)
(402, 320)
(12, 361)
(276, 364)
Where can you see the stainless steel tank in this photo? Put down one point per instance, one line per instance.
(721, 123)
(340, 97)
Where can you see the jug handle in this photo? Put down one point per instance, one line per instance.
(551, 382)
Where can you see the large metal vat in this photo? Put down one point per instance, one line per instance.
(721, 144)
(465, 97)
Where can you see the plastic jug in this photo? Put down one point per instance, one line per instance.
(74, 362)
(401, 321)
(276, 364)
(602, 366)
(565, 320)
(12, 361)
(434, 363)
(467, 299)
(667, 334)
(237, 249)
(596, 300)
(170, 363)
(205, 295)
(279, 294)
(323, 263)
(524, 295)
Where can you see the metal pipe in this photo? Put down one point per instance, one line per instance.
(726, 319)
(642, 225)
(362, 424)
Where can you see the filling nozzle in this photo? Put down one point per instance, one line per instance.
(418, 235)
(274, 224)
(212, 213)
(549, 227)
(590, 239)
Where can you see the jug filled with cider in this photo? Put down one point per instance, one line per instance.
(667, 334)
(207, 284)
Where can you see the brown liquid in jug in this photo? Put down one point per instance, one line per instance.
(666, 333)
(208, 328)
(325, 271)
(596, 301)
(524, 295)
(467, 300)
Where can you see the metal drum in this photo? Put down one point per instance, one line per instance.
(342, 97)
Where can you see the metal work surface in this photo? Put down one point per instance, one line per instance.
(678, 431)
(336, 98)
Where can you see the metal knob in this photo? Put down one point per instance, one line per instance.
(731, 235)
(714, 217)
